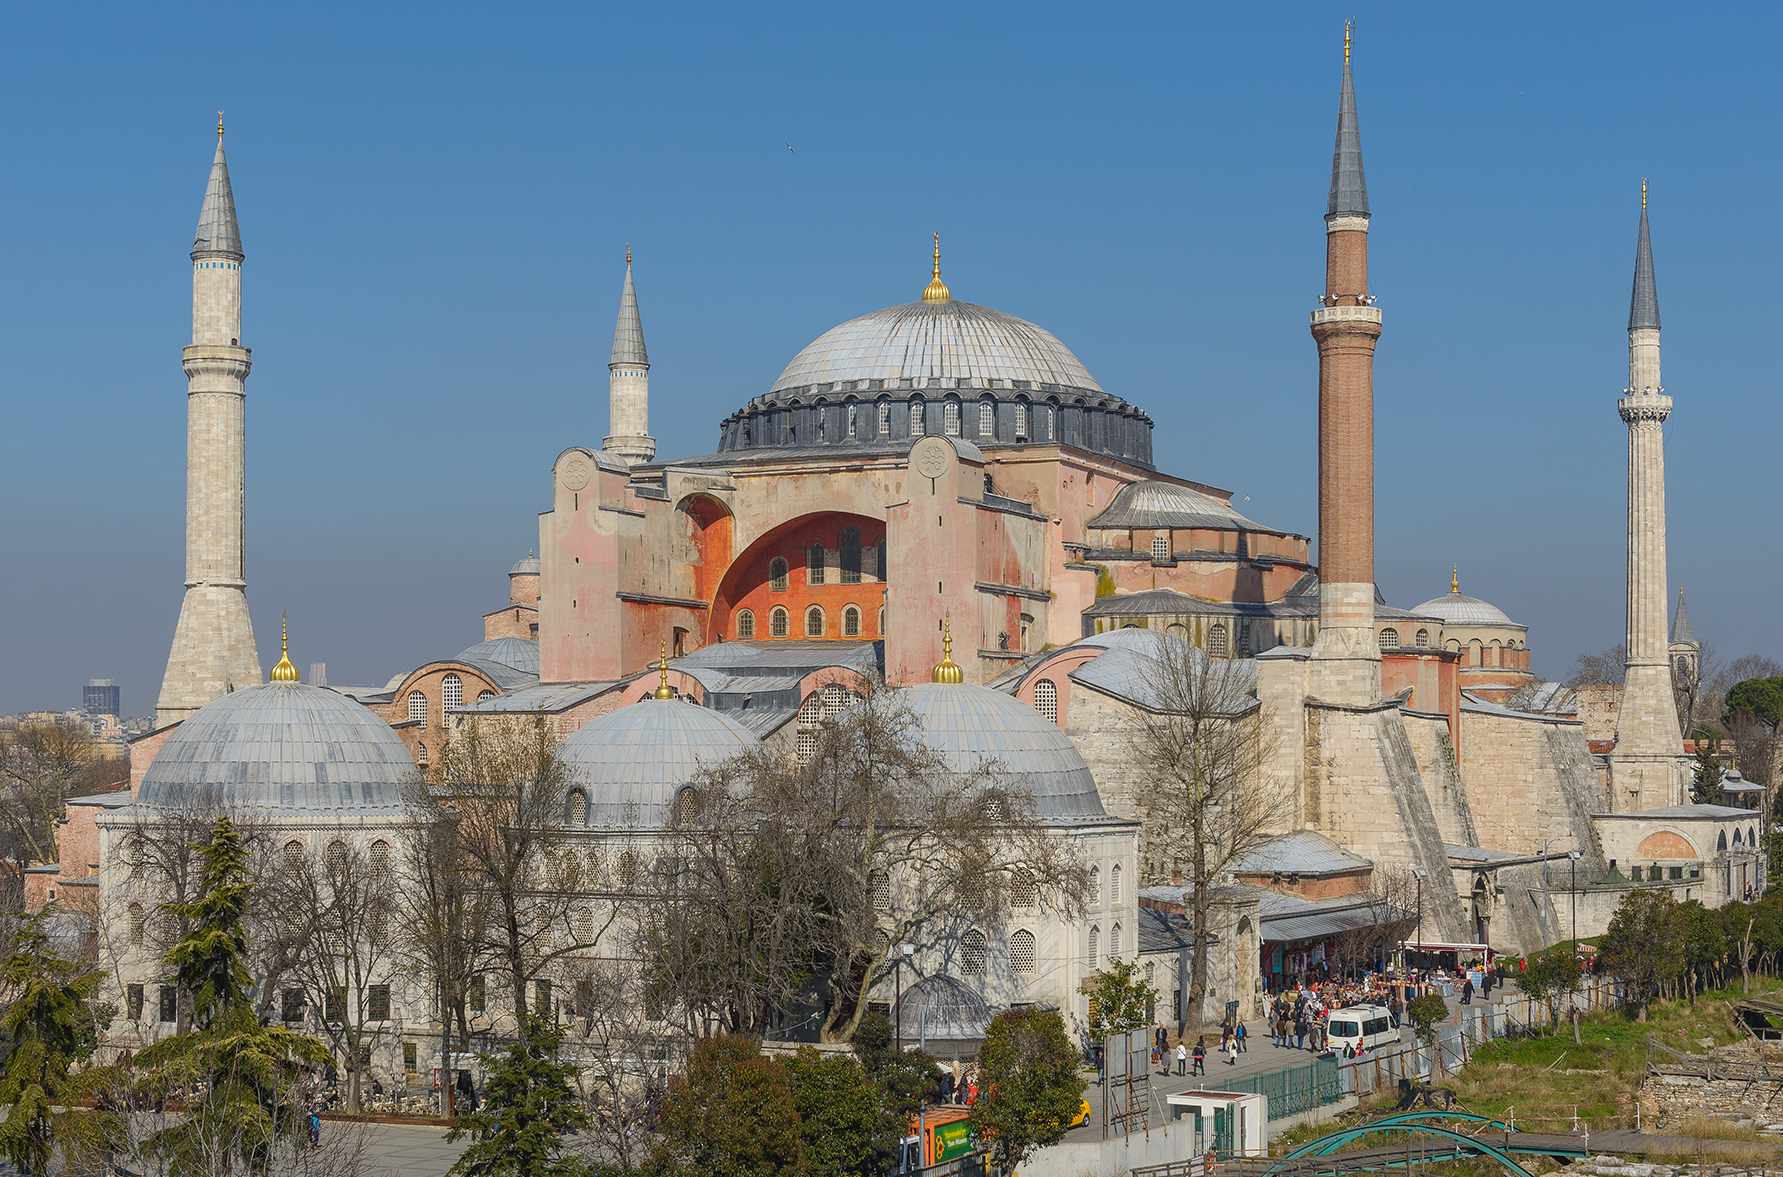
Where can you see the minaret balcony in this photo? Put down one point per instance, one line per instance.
(1346, 314)
(1644, 407)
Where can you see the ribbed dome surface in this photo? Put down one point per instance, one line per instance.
(640, 755)
(945, 340)
(514, 653)
(280, 746)
(526, 567)
(971, 725)
(1456, 609)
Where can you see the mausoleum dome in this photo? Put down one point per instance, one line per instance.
(631, 762)
(971, 725)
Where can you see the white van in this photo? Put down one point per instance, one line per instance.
(1368, 1026)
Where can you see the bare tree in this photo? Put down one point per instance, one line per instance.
(1690, 679)
(1604, 668)
(626, 1059)
(1201, 737)
(41, 766)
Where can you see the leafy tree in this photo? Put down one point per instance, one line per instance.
(906, 1082)
(733, 1115)
(840, 1121)
(1761, 698)
(49, 1031)
(1551, 978)
(1120, 999)
(245, 1070)
(1031, 1086)
(1642, 947)
(531, 1107)
(1705, 781)
(1427, 1012)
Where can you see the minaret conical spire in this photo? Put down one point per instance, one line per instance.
(1349, 190)
(628, 335)
(1681, 630)
(218, 232)
(1643, 307)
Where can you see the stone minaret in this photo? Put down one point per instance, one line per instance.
(213, 645)
(1647, 767)
(629, 383)
(1346, 666)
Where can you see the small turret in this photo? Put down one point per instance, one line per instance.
(628, 382)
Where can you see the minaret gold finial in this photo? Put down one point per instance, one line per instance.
(936, 291)
(283, 671)
(628, 255)
(1455, 580)
(219, 124)
(946, 671)
(1348, 28)
(1643, 194)
(663, 689)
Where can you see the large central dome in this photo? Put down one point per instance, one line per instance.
(963, 345)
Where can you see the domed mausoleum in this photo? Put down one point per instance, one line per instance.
(1494, 649)
(628, 766)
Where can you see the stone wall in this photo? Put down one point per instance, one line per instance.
(1529, 780)
(1441, 775)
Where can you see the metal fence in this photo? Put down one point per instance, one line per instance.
(1294, 1090)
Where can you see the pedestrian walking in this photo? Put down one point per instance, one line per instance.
(1229, 1045)
(1241, 1037)
(1467, 992)
(1182, 1057)
(1300, 1032)
(1200, 1056)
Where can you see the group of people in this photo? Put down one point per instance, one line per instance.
(959, 1085)
(1234, 1041)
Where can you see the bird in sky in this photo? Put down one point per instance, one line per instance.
(789, 148)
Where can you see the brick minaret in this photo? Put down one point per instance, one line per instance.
(213, 644)
(628, 385)
(1346, 659)
(1647, 767)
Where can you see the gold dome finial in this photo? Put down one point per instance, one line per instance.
(1348, 27)
(947, 671)
(663, 689)
(283, 671)
(1455, 580)
(1643, 194)
(219, 124)
(936, 290)
(628, 255)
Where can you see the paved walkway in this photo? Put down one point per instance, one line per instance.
(402, 1150)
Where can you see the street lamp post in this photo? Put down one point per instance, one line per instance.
(1420, 876)
(1573, 886)
(905, 952)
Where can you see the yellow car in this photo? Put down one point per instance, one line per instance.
(1083, 1114)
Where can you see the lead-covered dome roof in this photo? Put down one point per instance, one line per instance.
(972, 725)
(631, 762)
(284, 747)
(1455, 608)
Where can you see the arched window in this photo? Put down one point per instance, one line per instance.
(745, 624)
(1046, 699)
(482, 695)
(814, 564)
(777, 575)
(628, 870)
(851, 622)
(1736, 839)
(687, 805)
(987, 420)
(777, 622)
(850, 555)
(137, 923)
(1114, 942)
(1023, 419)
(421, 755)
(380, 857)
(578, 808)
(973, 953)
(1114, 884)
(1027, 630)
(1423, 639)
(1021, 952)
(884, 419)
(814, 621)
(1096, 886)
(1160, 549)
(291, 857)
(882, 621)
(1721, 842)
(848, 411)
(451, 693)
(881, 886)
(1044, 433)
(1244, 638)
(585, 925)
(337, 856)
(1389, 638)
(1095, 947)
(1023, 892)
(417, 708)
(1216, 640)
(918, 418)
(950, 418)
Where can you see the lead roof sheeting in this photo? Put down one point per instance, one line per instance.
(1304, 852)
(747, 657)
(628, 333)
(1687, 812)
(972, 725)
(546, 697)
(1643, 305)
(1152, 504)
(632, 761)
(218, 231)
(1127, 672)
(516, 653)
(1349, 189)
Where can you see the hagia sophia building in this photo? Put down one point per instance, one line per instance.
(941, 470)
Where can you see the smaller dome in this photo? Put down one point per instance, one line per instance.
(1456, 609)
(945, 1008)
(633, 760)
(280, 746)
(526, 567)
(514, 653)
(970, 725)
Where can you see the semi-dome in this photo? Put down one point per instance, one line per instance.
(280, 746)
(632, 761)
(514, 653)
(939, 366)
(972, 725)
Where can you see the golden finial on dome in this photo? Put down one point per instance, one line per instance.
(1455, 580)
(936, 290)
(219, 124)
(663, 689)
(628, 255)
(947, 671)
(283, 671)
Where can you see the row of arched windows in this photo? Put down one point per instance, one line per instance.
(1390, 639)
(451, 698)
(1114, 886)
(816, 622)
(1095, 944)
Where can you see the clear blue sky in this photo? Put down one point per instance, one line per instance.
(435, 203)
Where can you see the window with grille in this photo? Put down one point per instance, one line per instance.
(987, 419)
(851, 622)
(745, 625)
(950, 418)
(1021, 422)
(1096, 886)
(333, 1005)
(421, 755)
(884, 418)
(777, 575)
(814, 622)
(849, 411)
(482, 695)
(380, 857)
(777, 622)
(1045, 433)
(881, 885)
(1024, 892)
(1114, 884)
(918, 419)
(835, 698)
(1389, 638)
(1160, 548)
(169, 1001)
(578, 808)
(1423, 639)
(807, 747)
(1244, 637)
(1046, 699)
(1114, 942)
(337, 857)
(1095, 947)
(1216, 640)
(133, 1002)
(585, 925)
(850, 555)
(628, 870)
(417, 707)
(291, 857)
(451, 692)
(476, 994)
(814, 565)
(1021, 951)
(137, 923)
(973, 953)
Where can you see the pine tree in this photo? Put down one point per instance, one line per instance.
(245, 1070)
(530, 1108)
(49, 1030)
